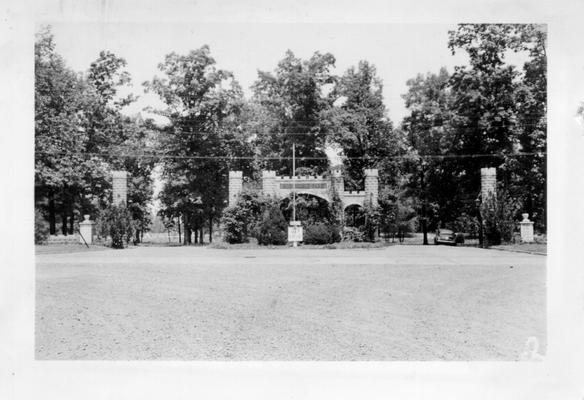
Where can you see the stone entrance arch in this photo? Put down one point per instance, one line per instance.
(319, 186)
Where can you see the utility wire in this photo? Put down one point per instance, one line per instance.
(399, 157)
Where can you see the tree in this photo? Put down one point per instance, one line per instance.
(202, 141)
(288, 106)
(360, 127)
(62, 168)
(500, 111)
(429, 135)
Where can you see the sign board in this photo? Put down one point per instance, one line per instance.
(303, 185)
(295, 233)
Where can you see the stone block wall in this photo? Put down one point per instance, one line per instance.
(235, 186)
(119, 187)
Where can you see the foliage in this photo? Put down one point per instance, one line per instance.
(81, 134)
(498, 213)
(204, 105)
(288, 105)
(467, 224)
(321, 233)
(358, 124)
(116, 221)
(272, 228)
(238, 221)
(397, 214)
(372, 221)
(41, 227)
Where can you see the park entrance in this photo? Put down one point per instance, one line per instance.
(319, 186)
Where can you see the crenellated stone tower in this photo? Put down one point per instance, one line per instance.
(269, 183)
(371, 186)
(338, 182)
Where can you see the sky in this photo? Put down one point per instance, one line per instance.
(399, 51)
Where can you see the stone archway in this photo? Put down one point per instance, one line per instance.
(319, 186)
(353, 215)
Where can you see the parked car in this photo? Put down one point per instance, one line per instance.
(446, 236)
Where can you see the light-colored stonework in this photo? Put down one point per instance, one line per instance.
(526, 227)
(488, 182)
(319, 186)
(120, 187)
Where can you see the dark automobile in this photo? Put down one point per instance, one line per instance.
(445, 236)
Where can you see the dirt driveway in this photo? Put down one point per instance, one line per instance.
(396, 303)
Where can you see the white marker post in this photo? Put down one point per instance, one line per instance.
(295, 228)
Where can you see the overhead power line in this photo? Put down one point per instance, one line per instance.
(163, 156)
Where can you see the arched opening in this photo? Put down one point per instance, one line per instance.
(354, 216)
(309, 208)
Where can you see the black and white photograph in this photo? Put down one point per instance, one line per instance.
(258, 188)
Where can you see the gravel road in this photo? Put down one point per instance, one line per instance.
(193, 303)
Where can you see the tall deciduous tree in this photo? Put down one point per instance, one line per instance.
(429, 132)
(359, 125)
(62, 99)
(202, 141)
(290, 102)
(501, 111)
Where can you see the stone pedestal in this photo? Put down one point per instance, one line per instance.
(86, 230)
(526, 227)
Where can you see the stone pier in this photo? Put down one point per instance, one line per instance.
(120, 187)
(235, 186)
(488, 182)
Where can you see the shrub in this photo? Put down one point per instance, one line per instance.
(498, 218)
(41, 228)
(116, 221)
(234, 221)
(239, 220)
(272, 229)
(467, 224)
(321, 233)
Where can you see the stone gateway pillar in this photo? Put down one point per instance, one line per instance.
(235, 186)
(269, 183)
(488, 182)
(371, 187)
(120, 187)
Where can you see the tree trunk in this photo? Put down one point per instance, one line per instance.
(64, 216)
(137, 236)
(424, 221)
(210, 229)
(201, 235)
(52, 217)
(186, 224)
(179, 239)
(71, 217)
(196, 233)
